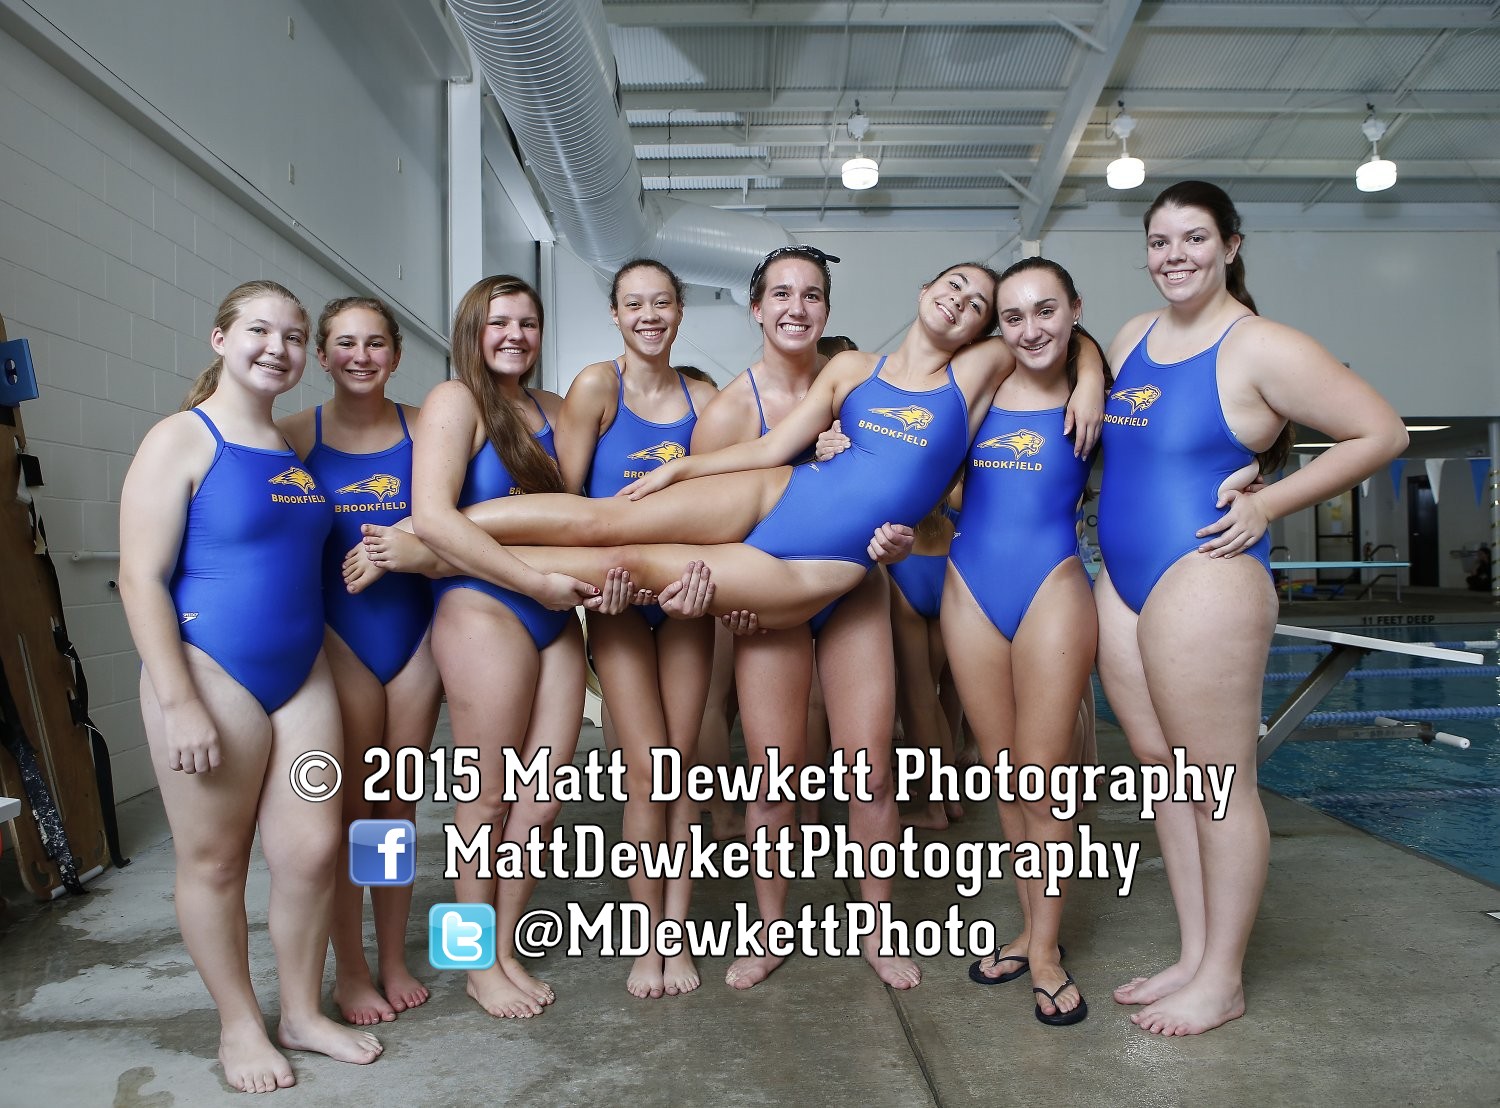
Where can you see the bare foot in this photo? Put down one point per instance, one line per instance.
(1197, 1007)
(396, 550)
(402, 989)
(360, 1003)
(1148, 990)
(728, 822)
(1009, 959)
(680, 975)
(929, 817)
(898, 973)
(746, 973)
(645, 980)
(498, 995)
(534, 987)
(359, 572)
(252, 1064)
(322, 1036)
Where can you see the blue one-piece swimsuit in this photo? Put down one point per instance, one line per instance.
(1167, 449)
(248, 585)
(386, 622)
(904, 449)
(632, 447)
(488, 479)
(1021, 490)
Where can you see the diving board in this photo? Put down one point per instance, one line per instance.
(1279, 566)
(1347, 650)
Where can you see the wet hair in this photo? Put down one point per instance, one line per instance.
(532, 467)
(1070, 290)
(993, 319)
(643, 263)
(374, 304)
(829, 345)
(1210, 198)
(812, 254)
(229, 311)
(696, 374)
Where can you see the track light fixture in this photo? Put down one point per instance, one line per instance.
(1124, 172)
(1376, 174)
(860, 172)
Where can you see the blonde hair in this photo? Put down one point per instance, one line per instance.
(531, 467)
(229, 311)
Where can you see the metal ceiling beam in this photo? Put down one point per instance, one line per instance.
(876, 199)
(819, 168)
(1386, 17)
(829, 100)
(1220, 169)
(1208, 101)
(1087, 81)
(839, 13)
(891, 134)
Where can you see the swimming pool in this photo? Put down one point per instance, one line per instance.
(1436, 800)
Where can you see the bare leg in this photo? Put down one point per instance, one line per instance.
(1123, 674)
(489, 667)
(300, 840)
(411, 712)
(922, 721)
(362, 709)
(857, 670)
(212, 817)
(727, 821)
(773, 673)
(1206, 688)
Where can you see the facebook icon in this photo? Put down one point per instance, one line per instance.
(382, 852)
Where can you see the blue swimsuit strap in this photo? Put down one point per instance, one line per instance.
(1218, 342)
(760, 409)
(541, 411)
(400, 414)
(318, 425)
(688, 396)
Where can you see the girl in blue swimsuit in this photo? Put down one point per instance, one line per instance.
(1184, 623)
(359, 448)
(507, 644)
(622, 418)
(1017, 615)
(221, 535)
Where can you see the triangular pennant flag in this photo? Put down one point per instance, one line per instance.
(1479, 469)
(1435, 475)
(1396, 467)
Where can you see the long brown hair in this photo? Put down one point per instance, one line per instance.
(228, 312)
(532, 469)
(1215, 201)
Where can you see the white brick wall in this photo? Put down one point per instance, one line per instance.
(113, 258)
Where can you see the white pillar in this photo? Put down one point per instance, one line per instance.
(465, 191)
(1494, 495)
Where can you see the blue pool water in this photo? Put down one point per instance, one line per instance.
(1436, 800)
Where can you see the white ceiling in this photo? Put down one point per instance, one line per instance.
(1003, 104)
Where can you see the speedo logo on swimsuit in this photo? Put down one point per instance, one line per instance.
(1023, 443)
(381, 486)
(1139, 398)
(662, 452)
(912, 418)
(303, 480)
(187, 617)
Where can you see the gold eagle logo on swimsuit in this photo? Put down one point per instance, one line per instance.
(1139, 398)
(295, 475)
(662, 452)
(379, 485)
(1024, 443)
(912, 418)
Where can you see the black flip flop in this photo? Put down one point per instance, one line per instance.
(1061, 1018)
(977, 975)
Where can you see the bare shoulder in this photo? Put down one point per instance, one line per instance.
(449, 395)
(180, 443)
(300, 430)
(851, 363)
(551, 403)
(729, 416)
(702, 392)
(1127, 336)
(595, 382)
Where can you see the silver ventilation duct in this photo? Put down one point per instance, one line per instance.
(549, 64)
